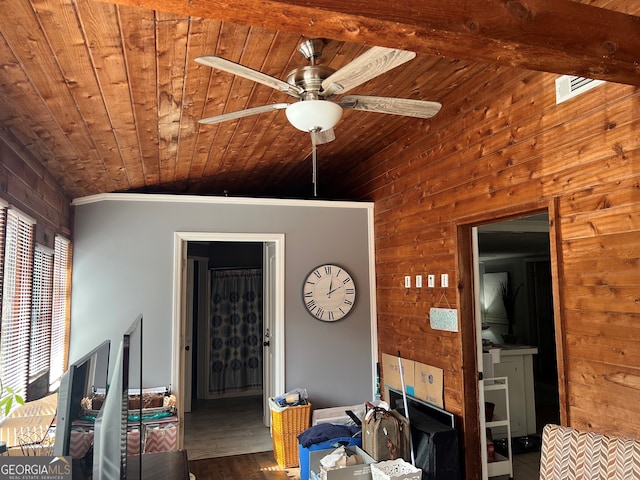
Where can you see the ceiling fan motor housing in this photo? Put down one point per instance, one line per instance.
(310, 79)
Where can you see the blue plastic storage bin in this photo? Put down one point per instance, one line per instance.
(303, 452)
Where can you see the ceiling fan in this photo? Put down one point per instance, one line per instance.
(314, 85)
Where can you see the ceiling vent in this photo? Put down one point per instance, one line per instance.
(569, 86)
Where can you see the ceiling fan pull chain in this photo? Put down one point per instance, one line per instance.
(314, 161)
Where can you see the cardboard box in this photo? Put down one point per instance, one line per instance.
(391, 373)
(303, 452)
(429, 384)
(356, 472)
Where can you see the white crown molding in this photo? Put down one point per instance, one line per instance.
(151, 197)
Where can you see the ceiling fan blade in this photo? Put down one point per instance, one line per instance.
(394, 106)
(243, 113)
(249, 73)
(374, 62)
(325, 136)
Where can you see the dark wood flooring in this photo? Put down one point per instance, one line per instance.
(250, 466)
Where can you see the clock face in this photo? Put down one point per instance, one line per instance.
(329, 293)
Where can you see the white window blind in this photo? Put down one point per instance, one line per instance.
(60, 309)
(41, 304)
(16, 301)
(3, 221)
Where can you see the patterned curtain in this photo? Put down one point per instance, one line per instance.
(236, 330)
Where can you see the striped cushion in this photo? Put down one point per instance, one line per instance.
(569, 454)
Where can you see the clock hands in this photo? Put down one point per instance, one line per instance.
(319, 290)
(331, 289)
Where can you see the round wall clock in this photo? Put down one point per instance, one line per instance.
(329, 293)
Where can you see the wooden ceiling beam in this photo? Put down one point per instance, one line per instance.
(558, 36)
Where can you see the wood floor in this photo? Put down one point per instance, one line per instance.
(251, 466)
(226, 439)
(219, 428)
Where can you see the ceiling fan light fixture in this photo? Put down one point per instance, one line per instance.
(314, 115)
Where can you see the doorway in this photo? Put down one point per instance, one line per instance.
(228, 319)
(515, 328)
(187, 345)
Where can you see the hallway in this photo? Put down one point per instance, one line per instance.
(218, 428)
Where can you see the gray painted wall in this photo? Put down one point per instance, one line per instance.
(123, 266)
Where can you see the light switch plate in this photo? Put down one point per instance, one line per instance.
(444, 280)
(407, 281)
(431, 281)
(418, 281)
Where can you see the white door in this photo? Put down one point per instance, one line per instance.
(269, 282)
(188, 336)
(196, 307)
(478, 316)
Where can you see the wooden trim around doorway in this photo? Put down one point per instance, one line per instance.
(471, 420)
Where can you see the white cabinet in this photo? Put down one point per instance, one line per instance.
(496, 390)
(516, 364)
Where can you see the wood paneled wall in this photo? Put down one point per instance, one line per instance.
(26, 185)
(507, 148)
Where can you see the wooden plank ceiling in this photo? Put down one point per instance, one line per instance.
(107, 96)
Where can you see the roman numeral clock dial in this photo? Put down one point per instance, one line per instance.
(329, 293)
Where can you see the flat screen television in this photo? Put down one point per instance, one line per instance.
(434, 440)
(110, 433)
(396, 401)
(82, 379)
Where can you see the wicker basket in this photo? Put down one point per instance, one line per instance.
(286, 424)
(289, 419)
(285, 449)
(395, 470)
